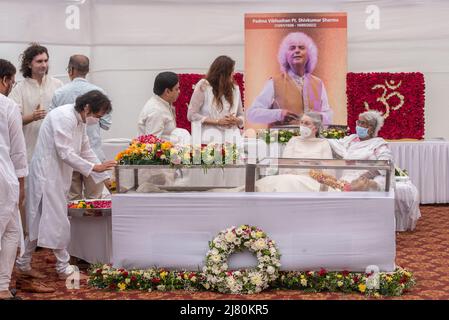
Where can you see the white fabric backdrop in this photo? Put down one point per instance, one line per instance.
(129, 42)
(346, 231)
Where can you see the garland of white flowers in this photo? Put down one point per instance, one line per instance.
(245, 281)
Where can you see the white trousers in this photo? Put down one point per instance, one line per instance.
(24, 262)
(9, 243)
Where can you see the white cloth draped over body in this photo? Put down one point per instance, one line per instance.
(13, 163)
(297, 180)
(62, 147)
(294, 180)
(352, 148)
(28, 94)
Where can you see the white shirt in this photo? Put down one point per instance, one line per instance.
(68, 94)
(157, 118)
(13, 162)
(262, 111)
(28, 94)
(62, 146)
(203, 105)
(352, 148)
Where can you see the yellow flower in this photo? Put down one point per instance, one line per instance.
(389, 279)
(121, 286)
(259, 234)
(163, 274)
(339, 276)
(340, 283)
(377, 295)
(166, 145)
(128, 280)
(362, 288)
(302, 276)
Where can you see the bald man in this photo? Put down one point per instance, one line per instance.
(78, 68)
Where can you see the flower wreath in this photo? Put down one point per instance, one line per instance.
(247, 281)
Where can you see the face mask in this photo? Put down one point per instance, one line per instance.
(92, 120)
(305, 132)
(361, 132)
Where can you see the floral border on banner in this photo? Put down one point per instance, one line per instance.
(399, 97)
(187, 82)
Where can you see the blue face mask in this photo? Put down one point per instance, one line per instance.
(361, 132)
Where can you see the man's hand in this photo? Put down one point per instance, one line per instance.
(38, 113)
(107, 165)
(288, 116)
(108, 184)
(363, 184)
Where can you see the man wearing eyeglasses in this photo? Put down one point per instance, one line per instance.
(77, 69)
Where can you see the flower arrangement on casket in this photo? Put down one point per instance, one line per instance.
(283, 136)
(149, 150)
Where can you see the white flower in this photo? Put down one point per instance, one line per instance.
(230, 281)
(239, 231)
(256, 279)
(260, 244)
(270, 270)
(340, 283)
(253, 234)
(161, 287)
(215, 258)
(214, 251)
(272, 251)
(230, 237)
(304, 282)
(224, 267)
(237, 241)
(215, 270)
(206, 285)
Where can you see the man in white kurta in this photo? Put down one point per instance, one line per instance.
(13, 167)
(62, 147)
(34, 93)
(78, 67)
(158, 116)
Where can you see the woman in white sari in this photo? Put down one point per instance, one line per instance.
(308, 145)
(365, 145)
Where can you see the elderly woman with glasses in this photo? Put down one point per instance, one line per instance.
(364, 145)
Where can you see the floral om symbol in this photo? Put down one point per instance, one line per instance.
(384, 97)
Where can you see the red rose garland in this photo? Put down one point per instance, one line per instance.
(407, 121)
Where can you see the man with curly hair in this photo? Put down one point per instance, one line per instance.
(286, 96)
(34, 93)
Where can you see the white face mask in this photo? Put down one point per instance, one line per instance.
(92, 120)
(306, 132)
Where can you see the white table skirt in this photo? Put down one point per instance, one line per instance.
(91, 239)
(346, 231)
(427, 163)
(406, 206)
